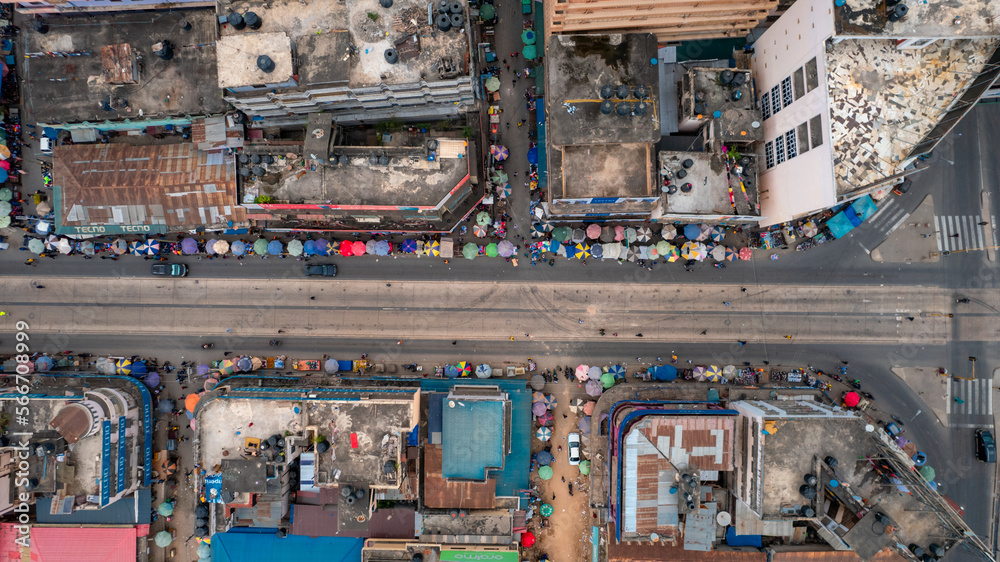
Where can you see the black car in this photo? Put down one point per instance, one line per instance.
(169, 269)
(903, 186)
(321, 270)
(986, 447)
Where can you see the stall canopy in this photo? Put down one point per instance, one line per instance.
(663, 372)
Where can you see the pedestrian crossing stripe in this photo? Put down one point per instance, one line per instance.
(889, 217)
(958, 232)
(970, 397)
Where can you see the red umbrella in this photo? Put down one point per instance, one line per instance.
(346, 248)
(588, 408)
(593, 232)
(527, 539)
(851, 399)
(359, 248)
(746, 253)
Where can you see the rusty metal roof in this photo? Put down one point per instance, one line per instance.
(886, 555)
(441, 493)
(173, 185)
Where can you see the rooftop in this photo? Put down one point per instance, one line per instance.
(474, 436)
(707, 91)
(579, 67)
(322, 35)
(409, 178)
(924, 19)
(613, 170)
(883, 100)
(240, 56)
(75, 542)
(709, 183)
(73, 88)
(442, 493)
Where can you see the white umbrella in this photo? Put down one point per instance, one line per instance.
(64, 246)
(643, 234)
(669, 232)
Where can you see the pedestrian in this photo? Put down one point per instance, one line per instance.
(741, 342)
(725, 303)
(743, 289)
(910, 318)
(788, 337)
(505, 61)
(983, 223)
(844, 362)
(956, 235)
(514, 82)
(639, 335)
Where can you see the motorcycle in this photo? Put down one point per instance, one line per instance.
(856, 383)
(836, 377)
(868, 395)
(897, 420)
(273, 343)
(207, 345)
(963, 300)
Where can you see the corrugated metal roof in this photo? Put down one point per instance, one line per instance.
(118, 184)
(56, 544)
(440, 493)
(885, 555)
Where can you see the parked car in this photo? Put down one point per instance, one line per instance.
(573, 442)
(903, 186)
(321, 270)
(45, 145)
(169, 269)
(986, 446)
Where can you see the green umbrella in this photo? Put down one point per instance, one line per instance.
(483, 219)
(529, 52)
(663, 248)
(585, 467)
(491, 250)
(470, 251)
(499, 177)
(545, 472)
(927, 472)
(295, 248)
(36, 246)
(6, 194)
(546, 510)
(260, 247)
(562, 234)
(166, 509)
(4, 222)
(487, 12)
(163, 539)
(5, 208)
(204, 551)
(608, 380)
(492, 83)
(528, 37)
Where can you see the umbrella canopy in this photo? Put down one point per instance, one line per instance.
(582, 373)
(537, 382)
(464, 368)
(927, 472)
(533, 155)
(451, 371)
(643, 234)
(165, 406)
(483, 219)
(584, 467)
(746, 254)
(528, 37)
(190, 401)
(581, 251)
(260, 246)
(135, 248)
(238, 247)
(491, 250)
(537, 396)
(607, 380)
(36, 246)
(123, 367)
(325, 247)
(165, 509)
(584, 424)
(528, 539)
(597, 251)
(562, 234)
(228, 367)
(538, 409)
(309, 248)
(189, 246)
(692, 251)
(244, 364)
(409, 246)
(163, 539)
(479, 231)
(669, 232)
(545, 510)
(663, 248)
(433, 248)
(550, 401)
(851, 399)
(505, 248)
(295, 248)
(717, 234)
(613, 251)
(575, 404)
(492, 83)
(64, 246)
(630, 235)
(731, 254)
(607, 234)
(470, 251)
(594, 231)
(203, 369)
(484, 371)
(331, 366)
(594, 388)
(210, 246)
(529, 52)
(545, 472)
(274, 247)
(588, 407)
(594, 373)
(359, 248)
(43, 363)
(4, 221)
(499, 152)
(719, 253)
(204, 551)
(810, 229)
(382, 248)
(617, 371)
(579, 235)
(6, 194)
(713, 373)
(152, 380)
(544, 457)
(346, 248)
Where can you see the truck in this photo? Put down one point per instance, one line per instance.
(526, 6)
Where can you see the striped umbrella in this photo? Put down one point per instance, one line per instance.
(617, 371)
(643, 234)
(731, 254)
(669, 232)
(137, 248)
(544, 433)
(713, 373)
(699, 373)
(434, 249)
(409, 246)
(718, 233)
(581, 251)
(690, 250)
(479, 231)
(153, 247)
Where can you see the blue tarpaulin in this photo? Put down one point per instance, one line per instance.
(533, 155)
(345, 366)
(663, 372)
(253, 544)
(839, 225)
(732, 539)
(864, 207)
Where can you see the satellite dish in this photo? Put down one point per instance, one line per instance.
(869, 428)
(723, 518)
(755, 124)
(654, 537)
(451, 403)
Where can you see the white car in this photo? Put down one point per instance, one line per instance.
(45, 145)
(573, 441)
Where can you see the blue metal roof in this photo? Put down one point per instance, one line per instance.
(251, 544)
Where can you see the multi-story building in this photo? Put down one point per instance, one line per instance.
(852, 93)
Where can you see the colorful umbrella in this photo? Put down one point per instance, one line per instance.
(123, 367)
(593, 232)
(537, 396)
(643, 234)
(260, 246)
(581, 251)
(136, 248)
(546, 510)
(470, 251)
(731, 254)
(499, 152)
(227, 367)
(544, 433)
(810, 229)
(505, 248)
(669, 232)
(704, 232)
(717, 234)
(691, 251)
(491, 250)
(528, 37)
(295, 248)
(713, 373)
(545, 472)
(324, 247)
(409, 246)
(479, 231)
(433, 249)
(464, 368)
(617, 370)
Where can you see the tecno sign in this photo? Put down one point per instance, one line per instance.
(478, 556)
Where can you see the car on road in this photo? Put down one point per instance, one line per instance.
(45, 145)
(986, 446)
(169, 269)
(573, 442)
(903, 186)
(321, 270)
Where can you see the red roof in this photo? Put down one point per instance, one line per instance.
(79, 544)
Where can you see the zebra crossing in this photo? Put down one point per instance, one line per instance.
(888, 217)
(970, 232)
(970, 397)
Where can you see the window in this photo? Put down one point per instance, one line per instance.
(816, 131)
(803, 134)
(790, 144)
(812, 75)
(799, 81)
(765, 105)
(786, 92)
(779, 149)
(769, 154)
(775, 100)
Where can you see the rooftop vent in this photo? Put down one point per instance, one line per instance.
(623, 109)
(236, 21)
(607, 107)
(391, 56)
(898, 12)
(164, 50)
(385, 3)
(607, 91)
(265, 63)
(443, 22)
(622, 91)
(252, 20)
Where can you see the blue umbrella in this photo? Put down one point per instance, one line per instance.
(692, 232)
(137, 248)
(189, 246)
(244, 364)
(238, 248)
(544, 458)
(409, 246)
(203, 369)
(274, 247)
(533, 155)
(210, 246)
(382, 248)
(309, 248)
(43, 363)
(152, 380)
(451, 372)
(139, 368)
(617, 371)
(165, 406)
(322, 247)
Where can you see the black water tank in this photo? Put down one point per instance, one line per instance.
(345, 160)
(244, 159)
(164, 50)
(699, 108)
(185, 25)
(687, 163)
(810, 479)
(686, 188)
(245, 172)
(236, 21)
(201, 532)
(322, 447)
(443, 22)
(268, 159)
(389, 467)
(255, 158)
(807, 491)
(640, 92)
(726, 76)
(360, 494)
(739, 79)
(607, 107)
(916, 550)
(671, 189)
(681, 174)
(346, 491)
(443, 6)
(607, 91)
(624, 108)
(252, 20)
(936, 549)
(745, 161)
(265, 63)
(807, 511)
(699, 96)
(622, 91)
(417, 557)
(239, 118)
(640, 108)
(383, 160)
(832, 461)
(456, 21)
(201, 511)
(272, 440)
(385, 3)
(350, 500)
(456, 7)
(898, 12)
(391, 56)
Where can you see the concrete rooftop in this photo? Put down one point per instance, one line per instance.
(238, 56)
(71, 89)
(925, 19)
(578, 66)
(322, 33)
(710, 184)
(883, 100)
(614, 170)
(736, 122)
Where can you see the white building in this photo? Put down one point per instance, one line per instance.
(851, 93)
